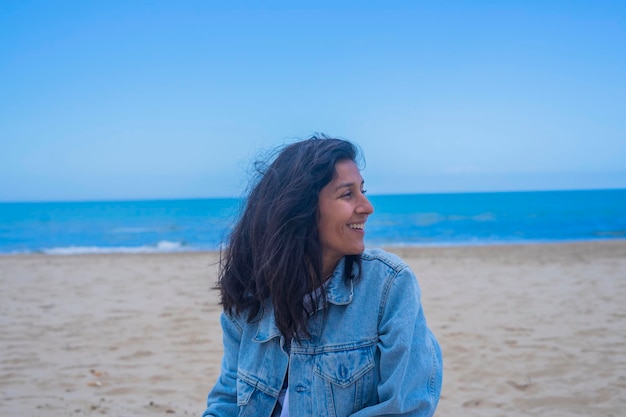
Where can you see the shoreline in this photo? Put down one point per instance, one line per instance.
(530, 329)
(392, 248)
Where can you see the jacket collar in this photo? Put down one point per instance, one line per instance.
(266, 326)
(337, 292)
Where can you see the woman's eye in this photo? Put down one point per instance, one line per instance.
(363, 190)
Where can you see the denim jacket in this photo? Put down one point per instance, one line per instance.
(371, 354)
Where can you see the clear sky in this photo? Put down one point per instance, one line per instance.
(175, 99)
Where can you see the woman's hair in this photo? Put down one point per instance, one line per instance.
(274, 251)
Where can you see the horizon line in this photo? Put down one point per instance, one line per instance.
(154, 199)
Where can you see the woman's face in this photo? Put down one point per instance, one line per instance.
(343, 211)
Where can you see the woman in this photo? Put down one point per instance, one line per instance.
(314, 324)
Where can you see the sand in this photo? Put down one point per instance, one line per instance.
(532, 330)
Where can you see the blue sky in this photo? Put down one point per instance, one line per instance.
(125, 100)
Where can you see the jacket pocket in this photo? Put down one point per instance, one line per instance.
(344, 367)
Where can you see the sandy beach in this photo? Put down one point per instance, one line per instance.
(526, 330)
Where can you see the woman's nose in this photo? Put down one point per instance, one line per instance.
(365, 206)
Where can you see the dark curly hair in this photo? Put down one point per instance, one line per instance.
(274, 250)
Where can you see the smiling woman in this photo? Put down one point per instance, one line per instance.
(313, 323)
(343, 211)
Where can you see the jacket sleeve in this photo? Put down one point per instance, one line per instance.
(222, 400)
(410, 357)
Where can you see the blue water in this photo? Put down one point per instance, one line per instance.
(417, 219)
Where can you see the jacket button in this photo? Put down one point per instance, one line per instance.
(301, 388)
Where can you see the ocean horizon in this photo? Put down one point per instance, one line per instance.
(434, 219)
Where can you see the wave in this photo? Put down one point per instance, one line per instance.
(161, 247)
(131, 230)
(482, 242)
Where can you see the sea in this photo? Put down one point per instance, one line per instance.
(455, 219)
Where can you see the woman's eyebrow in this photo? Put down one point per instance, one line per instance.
(347, 185)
